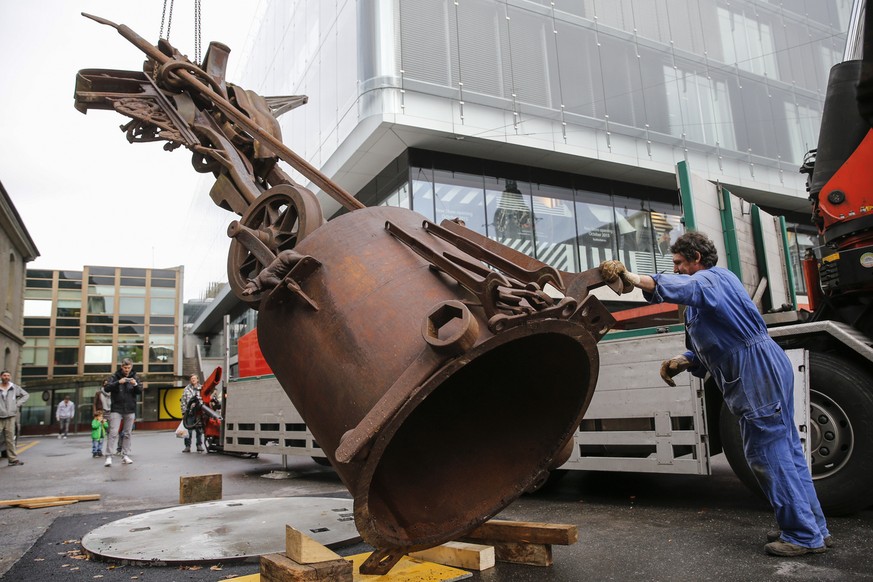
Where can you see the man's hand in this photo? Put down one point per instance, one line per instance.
(673, 366)
(612, 270)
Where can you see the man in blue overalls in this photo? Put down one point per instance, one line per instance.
(727, 337)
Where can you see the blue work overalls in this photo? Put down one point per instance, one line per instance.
(727, 337)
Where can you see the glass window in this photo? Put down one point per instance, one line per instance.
(595, 223)
(422, 192)
(698, 108)
(67, 331)
(132, 272)
(69, 307)
(94, 338)
(399, 199)
(131, 329)
(37, 308)
(132, 305)
(38, 294)
(66, 342)
(167, 340)
(66, 356)
(803, 126)
(161, 353)
(132, 291)
(163, 291)
(132, 282)
(510, 220)
(747, 43)
(133, 352)
(162, 274)
(104, 304)
(554, 227)
(131, 339)
(162, 306)
(163, 329)
(102, 270)
(98, 354)
(33, 356)
(457, 196)
(66, 322)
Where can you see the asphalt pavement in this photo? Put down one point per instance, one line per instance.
(631, 526)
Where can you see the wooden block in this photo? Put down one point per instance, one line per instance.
(46, 504)
(529, 554)
(88, 497)
(460, 555)
(280, 568)
(497, 530)
(199, 488)
(305, 550)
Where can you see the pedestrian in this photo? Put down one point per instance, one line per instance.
(726, 336)
(12, 397)
(103, 404)
(123, 388)
(65, 413)
(191, 396)
(99, 426)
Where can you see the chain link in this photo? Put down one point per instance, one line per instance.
(197, 32)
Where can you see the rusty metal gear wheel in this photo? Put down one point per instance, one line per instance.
(280, 218)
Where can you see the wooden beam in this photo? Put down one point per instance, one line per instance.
(88, 497)
(305, 550)
(280, 568)
(460, 555)
(497, 530)
(528, 554)
(199, 488)
(46, 504)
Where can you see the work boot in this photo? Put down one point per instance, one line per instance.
(776, 535)
(789, 550)
(186, 450)
(199, 449)
(108, 462)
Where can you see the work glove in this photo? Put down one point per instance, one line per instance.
(673, 366)
(612, 270)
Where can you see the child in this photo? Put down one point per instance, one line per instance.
(98, 432)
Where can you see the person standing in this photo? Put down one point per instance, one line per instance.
(726, 337)
(103, 405)
(99, 426)
(123, 388)
(66, 411)
(189, 395)
(12, 397)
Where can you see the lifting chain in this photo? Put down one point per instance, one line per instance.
(197, 54)
(169, 21)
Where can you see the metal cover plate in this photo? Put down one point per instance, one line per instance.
(222, 531)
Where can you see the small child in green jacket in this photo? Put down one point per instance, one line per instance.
(98, 433)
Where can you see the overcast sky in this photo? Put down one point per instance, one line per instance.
(85, 194)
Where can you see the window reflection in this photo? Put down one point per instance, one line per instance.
(458, 195)
(510, 218)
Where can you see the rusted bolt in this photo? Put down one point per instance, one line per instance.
(450, 328)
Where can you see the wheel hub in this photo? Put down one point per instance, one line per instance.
(831, 436)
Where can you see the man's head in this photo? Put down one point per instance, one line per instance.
(126, 366)
(66, 398)
(692, 252)
(5, 376)
(194, 379)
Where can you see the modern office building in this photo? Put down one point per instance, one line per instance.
(80, 324)
(16, 249)
(555, 126)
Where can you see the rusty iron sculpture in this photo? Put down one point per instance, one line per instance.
(428, 361)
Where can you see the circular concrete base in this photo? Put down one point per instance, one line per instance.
(221, 531)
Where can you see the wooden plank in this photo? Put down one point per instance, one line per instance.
(199, 488)
(498, 530)
(88, 497)
(305, 550)
(528, 554)
(47, 504)
(459, 554)
(280, 568)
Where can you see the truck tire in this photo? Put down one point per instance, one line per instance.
(841, 436)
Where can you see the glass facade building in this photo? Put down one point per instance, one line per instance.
(79, 325)
(619, 89)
